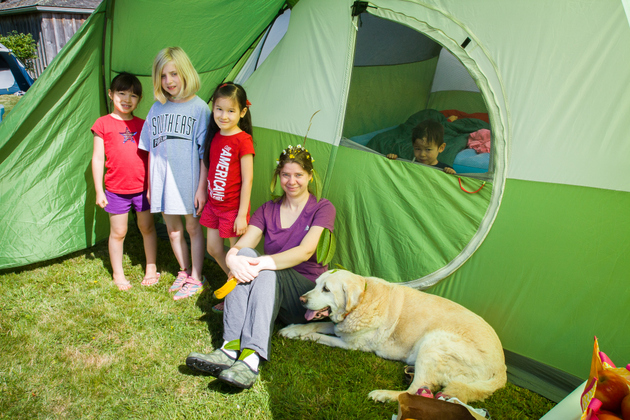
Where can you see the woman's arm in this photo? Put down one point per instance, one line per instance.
(245, 269)
(247, 177)
(98, 162)
(297, 255)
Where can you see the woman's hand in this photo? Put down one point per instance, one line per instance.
(392, 156)
(245, 269)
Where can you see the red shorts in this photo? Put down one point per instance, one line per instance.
(223, 220)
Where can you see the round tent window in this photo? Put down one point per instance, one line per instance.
(407, 71)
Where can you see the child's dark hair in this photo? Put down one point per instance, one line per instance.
(124, 82)
(432, 130)
(237, 94)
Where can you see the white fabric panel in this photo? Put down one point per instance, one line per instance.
(450, 74)
(564, 68)
(269, 42)
(278, 30)
(556, 74)
(6, 79)
(309, 70)
(626, 8)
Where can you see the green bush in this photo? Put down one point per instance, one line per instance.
(23, 46)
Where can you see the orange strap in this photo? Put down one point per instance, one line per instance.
(469, 192)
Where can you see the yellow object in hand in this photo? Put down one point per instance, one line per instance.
(224, 290)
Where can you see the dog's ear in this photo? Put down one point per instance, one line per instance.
(353, 289)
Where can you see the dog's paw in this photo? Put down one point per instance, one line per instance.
(294, 331)
(313, 336)
(382, 395)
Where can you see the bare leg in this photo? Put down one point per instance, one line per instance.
(216, 249)
(146, 225)
(117, 233)
(197, 245)
(175, 229)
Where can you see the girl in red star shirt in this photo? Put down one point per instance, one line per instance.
(229, 156)
(116, 137)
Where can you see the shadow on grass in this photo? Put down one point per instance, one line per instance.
(214, 384)
(99, 251)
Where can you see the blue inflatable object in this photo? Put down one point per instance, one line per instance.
(13, 75)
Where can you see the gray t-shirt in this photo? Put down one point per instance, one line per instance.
(174, 135)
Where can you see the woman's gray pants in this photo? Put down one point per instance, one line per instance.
(252, 308)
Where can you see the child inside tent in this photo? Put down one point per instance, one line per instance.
(428, 142)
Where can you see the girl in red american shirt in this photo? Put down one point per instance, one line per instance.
(229, 156)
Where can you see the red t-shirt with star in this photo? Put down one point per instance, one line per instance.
(126, 164)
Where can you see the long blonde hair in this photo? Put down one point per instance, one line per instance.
(185, 69)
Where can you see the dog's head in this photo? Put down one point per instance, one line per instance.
(336, 294)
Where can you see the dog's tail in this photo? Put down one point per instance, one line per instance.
(477, 390)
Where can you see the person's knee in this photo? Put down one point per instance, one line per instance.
(118, 233)
(215, 249)
(248, 252)
(147, 227)
(193, 228)
(175, 235)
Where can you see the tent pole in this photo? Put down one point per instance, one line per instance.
(109, 10)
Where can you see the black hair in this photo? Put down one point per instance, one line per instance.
(429, 129)
(124, 82)
(237, 94)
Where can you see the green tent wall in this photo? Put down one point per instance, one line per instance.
(540, 252)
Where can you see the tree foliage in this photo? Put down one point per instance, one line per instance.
(23, 47)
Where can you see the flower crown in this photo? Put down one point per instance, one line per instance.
(292, 152)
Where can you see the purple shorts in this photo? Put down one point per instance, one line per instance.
(122, 203)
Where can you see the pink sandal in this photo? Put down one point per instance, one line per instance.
(442, 395)
(425, 392)
(182, 276)
(190, 288)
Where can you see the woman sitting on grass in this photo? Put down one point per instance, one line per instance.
(269, 286)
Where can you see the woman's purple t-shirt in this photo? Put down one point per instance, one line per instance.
(277, 239)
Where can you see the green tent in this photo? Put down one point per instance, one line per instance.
(536, 242)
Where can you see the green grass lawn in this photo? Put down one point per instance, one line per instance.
(8, 101)
(73, 346)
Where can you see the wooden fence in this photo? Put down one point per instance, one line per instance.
(51, 31)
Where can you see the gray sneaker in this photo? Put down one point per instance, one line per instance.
(213, 363)
(239, 375)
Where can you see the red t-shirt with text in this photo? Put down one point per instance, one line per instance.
(224, 173)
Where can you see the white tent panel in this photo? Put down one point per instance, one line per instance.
(6, 79)
(552, 123)
(319, 62)
(271, 38)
